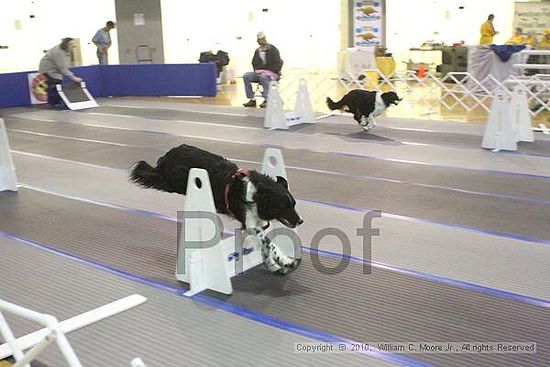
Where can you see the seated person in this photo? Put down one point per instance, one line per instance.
(267, 65)
(544, 43)
(531, 39)
(518, 38)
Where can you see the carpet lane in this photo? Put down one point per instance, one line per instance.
(381, 306)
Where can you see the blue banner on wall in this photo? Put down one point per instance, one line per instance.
(368, 21)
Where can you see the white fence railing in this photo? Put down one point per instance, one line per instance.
(454, 90)
(55, 331)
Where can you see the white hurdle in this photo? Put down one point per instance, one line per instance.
(509, 121)
(55, 331)
(204, 260)
(8, 181)
(521, 118)
(275, 116)
(499, 133)
(273, 165)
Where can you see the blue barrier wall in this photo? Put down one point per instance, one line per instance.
(94, 78)
(160, 80)
(14, 89)
(124, 80)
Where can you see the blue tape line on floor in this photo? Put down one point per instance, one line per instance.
(233, 309)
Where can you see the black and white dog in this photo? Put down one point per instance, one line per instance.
(365, 105)
(248, 196)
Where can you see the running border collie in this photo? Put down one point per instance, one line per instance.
(248, 196)
(365, 105)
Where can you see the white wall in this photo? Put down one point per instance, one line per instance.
(306, 32)
(410, 23)
(53, 19)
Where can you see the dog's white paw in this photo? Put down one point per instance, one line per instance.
(277, 262)
(369, 125)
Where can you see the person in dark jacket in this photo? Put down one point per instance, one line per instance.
(267, 66)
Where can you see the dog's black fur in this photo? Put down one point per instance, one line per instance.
(362, 103)
(271, 199)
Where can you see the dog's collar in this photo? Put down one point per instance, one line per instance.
(238, 173)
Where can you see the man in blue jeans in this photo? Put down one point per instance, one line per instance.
(267, 66)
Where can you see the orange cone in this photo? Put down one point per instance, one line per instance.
(421, 71)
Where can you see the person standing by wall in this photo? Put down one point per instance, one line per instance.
(54, 65)
(487, 31)
(102, 40)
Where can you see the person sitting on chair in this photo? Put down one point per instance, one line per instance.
(518, 38)
(544, 43)
(531, 39)
(267, 66)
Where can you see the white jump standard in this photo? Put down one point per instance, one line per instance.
(206, 261)
(8, 181)
(509, 121)
(277, 118)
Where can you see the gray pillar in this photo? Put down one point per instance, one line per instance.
(139, 31)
